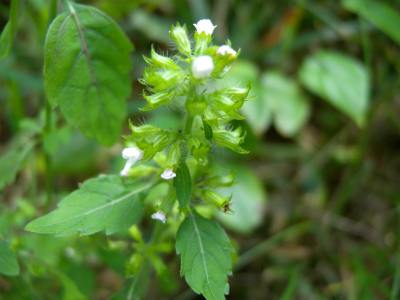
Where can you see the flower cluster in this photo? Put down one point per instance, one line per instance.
(186, 79)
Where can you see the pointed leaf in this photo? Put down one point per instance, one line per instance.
(7, 35)
(86, 67)
(183, 184)
(8, 260)
(205, 256)
(102, 203)
(339, 79)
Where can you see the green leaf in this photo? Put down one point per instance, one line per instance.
(8, 260)
(208, 133)
(205, 256)
(86, 67)
(7, 35)
(183, 184)
(339, 79)
(283, 97)
(102, 203)
(382, 15)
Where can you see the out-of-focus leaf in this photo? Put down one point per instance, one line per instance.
(71, 291)
(249, 202)
(256, 112)
(53, 140)
(102, 203)
(339, 79)
(86, 71)
(205, 251)
(8, 260)
(7, 35)
(381, 14)
(290, 108)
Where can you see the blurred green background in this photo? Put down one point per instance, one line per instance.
(317, 204)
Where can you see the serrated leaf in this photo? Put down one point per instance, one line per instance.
(8, 260)
(381, 14)
(205, 256)
(86, 67)
(339, 79)
(7, 35)
(183, 184)
(289, 107)
(102, 203)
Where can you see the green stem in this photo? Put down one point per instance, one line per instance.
(188, 124)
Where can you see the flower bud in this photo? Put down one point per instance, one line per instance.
(214, 198)
(196, 105)
(173, 156)
(161, 61)
(151, 146)
(161, 80)
(157, 99)
(206, 26)
(226, 50)
(230, 139)
(199, 149)
(202, 67)
(179, 35)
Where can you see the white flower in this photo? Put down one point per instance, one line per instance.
(160, 215)
(202, 66)
(132, 154)
(168, 174)
(225, 49)
(205, 25)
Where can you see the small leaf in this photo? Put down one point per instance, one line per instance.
(7, 35)
(8, 260)
(208, 133)
(101, 203)
(205, 256)
(339, 79)
(289, 107)
(381, 14)
(183, 184)
(86, 67)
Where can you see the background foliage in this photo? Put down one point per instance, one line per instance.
(323, 137)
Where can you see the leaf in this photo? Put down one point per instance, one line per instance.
(86, 67)
(205, 256)
(249, 202)
(7, 35)
(183, 184)
(339, 79)
(101, 203)
(289, 107)
(71, 291)
(382, 15)
(8, 260)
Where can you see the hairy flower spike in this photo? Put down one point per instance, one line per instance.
(202, 67)
(205, 26)
(133, 155)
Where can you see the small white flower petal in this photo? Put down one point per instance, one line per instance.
(168, 174)
(133, 155)
(225, 49)
(202, 67)
(205, 25)
(160, 215)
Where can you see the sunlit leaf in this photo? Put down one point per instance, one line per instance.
(381, 14)
(205, 256)
(86, 69)
(7, 35)
(8, 260)
(339, 79)
(102, 203)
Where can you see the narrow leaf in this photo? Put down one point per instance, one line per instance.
(102, 203)
(381, 14)
(183, 184)
(86, 67)
(339, 79)
(8, 260)
(205, 256)
(207, 131)
(7, 35)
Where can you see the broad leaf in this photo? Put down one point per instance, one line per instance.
(7, 35)
(289, 107)
(86, 67)
(205, 256)
(183, 184)
(339, 79)
(102, 203)
(381, 14)
(8, 260)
